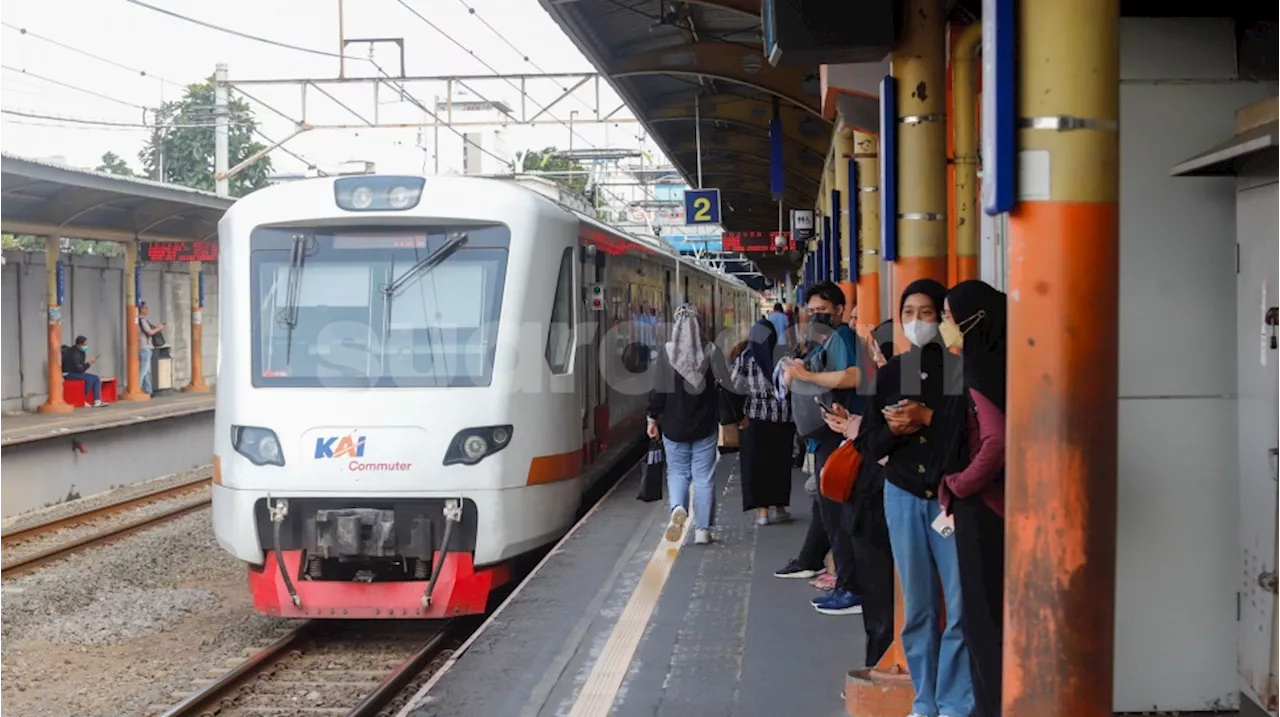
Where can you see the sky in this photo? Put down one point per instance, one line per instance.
(173, 52)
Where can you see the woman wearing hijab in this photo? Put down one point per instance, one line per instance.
(916, 412)
(974, 322)
(766, 443)
(684, 410)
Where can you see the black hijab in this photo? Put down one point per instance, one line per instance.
(981, 311)
(762, 342)
(921, 373)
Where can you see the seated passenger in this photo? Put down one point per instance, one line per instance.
(75, 365)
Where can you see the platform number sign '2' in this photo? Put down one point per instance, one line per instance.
(702, 206)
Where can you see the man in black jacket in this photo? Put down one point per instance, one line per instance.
(75, 365)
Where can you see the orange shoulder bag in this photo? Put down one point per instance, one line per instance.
(840, 473)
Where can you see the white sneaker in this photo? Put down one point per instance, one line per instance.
(676, 527)
(701, 537)
(98, 404)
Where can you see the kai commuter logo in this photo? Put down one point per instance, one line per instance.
(352, 448)
(348, 446)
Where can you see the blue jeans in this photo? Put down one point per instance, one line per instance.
(695, 463)
(92, 383)
(939, 663)
(144, 368)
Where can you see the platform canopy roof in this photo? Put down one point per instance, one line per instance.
(661, 55)
(51, 200)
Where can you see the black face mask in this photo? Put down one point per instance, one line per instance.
(826, 320)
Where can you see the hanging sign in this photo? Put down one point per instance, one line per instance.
(802, 224)
(702, 206)
(178, 251)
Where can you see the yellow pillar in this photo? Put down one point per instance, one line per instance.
(134, 390)
(965, 94)
(865, 148)
(843, 141)
(53, 349)
(919, 66)
(1064, 284)
(197, 384)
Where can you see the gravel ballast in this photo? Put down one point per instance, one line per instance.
(115, 629)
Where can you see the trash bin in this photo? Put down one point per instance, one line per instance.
(161, 370)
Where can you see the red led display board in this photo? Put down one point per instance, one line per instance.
(751, 242)
(178, 251)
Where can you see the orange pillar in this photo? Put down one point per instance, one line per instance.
(134, 390)
(52, 254)
(865, 154)
(197, 384)
(1060, 556)
(919, 65)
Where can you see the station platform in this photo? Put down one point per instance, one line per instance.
(24, 427)
(619, 621)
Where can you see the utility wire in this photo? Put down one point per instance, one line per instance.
(27, 33)
(388, 77)
(73, 87)
(99, 122)
(245, 35)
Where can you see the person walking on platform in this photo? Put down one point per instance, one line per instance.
(974, 321)
(917, 408)
(766, 442)
(684, 409)
(778, 318)
(75, 366)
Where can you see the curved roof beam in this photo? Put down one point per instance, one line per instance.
(750, 164)
(750, 8)
(735, 147)
(798, 125)
(748, 182)
(728, 62)
(793, 155)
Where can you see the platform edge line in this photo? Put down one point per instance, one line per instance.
(416, 700)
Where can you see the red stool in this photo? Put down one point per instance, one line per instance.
(73, 392)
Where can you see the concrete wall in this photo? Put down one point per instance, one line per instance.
(95, 308)
(44, 472)
(1178, 474)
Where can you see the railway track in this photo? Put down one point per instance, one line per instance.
(324, 667)
(111, 518)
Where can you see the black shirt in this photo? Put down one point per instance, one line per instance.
(73, 360)
(683, 414)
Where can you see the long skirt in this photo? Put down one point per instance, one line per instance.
(765, 453)
(980, 551)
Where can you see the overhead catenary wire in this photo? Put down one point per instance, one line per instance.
(143, 73)
(70, 86)
(387, 77)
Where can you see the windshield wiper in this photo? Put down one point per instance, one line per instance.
(293, 291)
(427, 263)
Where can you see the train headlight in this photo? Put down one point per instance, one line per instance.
(473, 445)
(260, 445)
(361, 197)
(401, 197)
(378, 194)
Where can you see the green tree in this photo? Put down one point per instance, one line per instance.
(112, 163)
(183, 142)
(547, 161)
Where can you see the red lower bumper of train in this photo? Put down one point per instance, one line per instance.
(461, 589)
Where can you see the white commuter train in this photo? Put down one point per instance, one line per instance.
(418, 379)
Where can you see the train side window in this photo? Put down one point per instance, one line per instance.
(560, 333)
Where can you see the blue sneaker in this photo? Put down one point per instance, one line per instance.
(825, 596)
(841, 602)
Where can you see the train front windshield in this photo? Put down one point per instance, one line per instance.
(376, 307)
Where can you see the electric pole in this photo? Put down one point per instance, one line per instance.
(221, 149)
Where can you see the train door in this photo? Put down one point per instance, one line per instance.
(590, 338)
(1258, 382)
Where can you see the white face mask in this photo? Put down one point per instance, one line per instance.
(920, 332)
